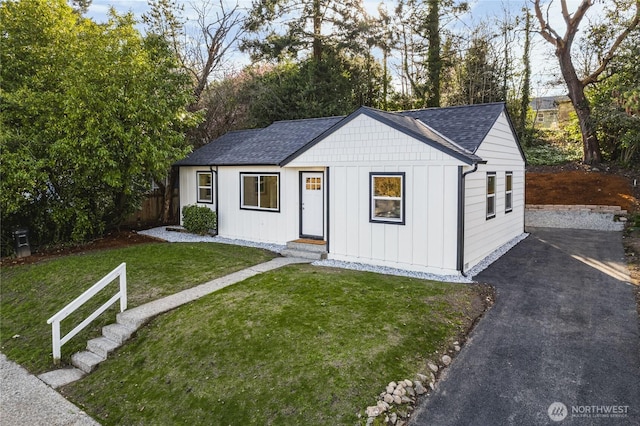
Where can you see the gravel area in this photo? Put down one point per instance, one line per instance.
(572, 220)
(185, 237)
(423, 275)
(26, 400)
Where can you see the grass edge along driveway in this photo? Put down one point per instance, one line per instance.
(298, 345)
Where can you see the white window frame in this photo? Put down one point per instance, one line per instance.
(199, 187)
(491, 196)
(508, 192)
(373, 198)
(260, 190)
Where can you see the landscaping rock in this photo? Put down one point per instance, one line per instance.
(446, 360)
(456, 348)
(383, 406)
(392, 384)
(373, 411)
(397, 399)
(432, 367)
(411, 391)
(408, 383)
(390, 389)
(420, 390)
(421, 377)
(393, 418)
(388, 398)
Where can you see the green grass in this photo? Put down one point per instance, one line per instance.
(299, 345)
(30, 294)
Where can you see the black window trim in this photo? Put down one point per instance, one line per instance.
(258, 174)
(508, 208)
(403, 198)
(198, 200)
(487, 195)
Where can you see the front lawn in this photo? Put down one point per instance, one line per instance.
(298, 345)
(30, 294)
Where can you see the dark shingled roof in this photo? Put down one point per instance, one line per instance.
(466, 125)
(459, 131)
(208, 154)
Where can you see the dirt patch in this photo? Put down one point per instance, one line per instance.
(112, 240)
(581, 187)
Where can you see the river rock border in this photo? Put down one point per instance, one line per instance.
(397, 402)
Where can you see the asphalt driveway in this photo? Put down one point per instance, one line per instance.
(561, 345)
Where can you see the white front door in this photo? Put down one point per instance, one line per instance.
(312, 208)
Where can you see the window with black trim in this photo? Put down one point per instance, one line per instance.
(508, 192)
(387, 198)
(205, 187)
(491, 195)
(260, 191)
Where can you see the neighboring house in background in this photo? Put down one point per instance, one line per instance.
(551, 111)
(431, 190)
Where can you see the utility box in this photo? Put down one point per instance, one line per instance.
(21, 242)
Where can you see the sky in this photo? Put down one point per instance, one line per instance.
(544, 63)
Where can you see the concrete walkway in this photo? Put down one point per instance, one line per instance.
(29, 400)
(561, 345)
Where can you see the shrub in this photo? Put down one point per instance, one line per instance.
(199, 219)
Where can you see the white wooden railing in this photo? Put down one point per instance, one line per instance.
(121, 272)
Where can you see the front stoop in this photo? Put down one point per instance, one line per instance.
(306, 249)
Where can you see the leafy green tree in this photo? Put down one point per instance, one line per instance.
(91, 113)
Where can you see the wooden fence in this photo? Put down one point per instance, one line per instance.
(151, 210)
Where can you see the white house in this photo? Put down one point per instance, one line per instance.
(431, 190)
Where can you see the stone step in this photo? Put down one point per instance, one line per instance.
(102, 346)
(86, 361)
(310, 247)
(312, 255)
(117, 332)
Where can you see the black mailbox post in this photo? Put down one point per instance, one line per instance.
(21, 242)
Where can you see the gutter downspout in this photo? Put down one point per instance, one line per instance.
(461, 211)
(215, 186)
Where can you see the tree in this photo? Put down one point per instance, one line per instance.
(91, 113)
(202, 55)
(287, 30)
(476, 77)
(616, 104)
(526, 83)
(617, 12)
(423, 35)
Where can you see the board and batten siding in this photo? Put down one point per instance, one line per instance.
(482, 235)
(275, 227)
(256, 225)
(427, 241)
(189, 187)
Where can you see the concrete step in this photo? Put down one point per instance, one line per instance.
(312, 255)
(117, 332)
(310, 247)
(102, 346)
(61, 377)
(86, 361)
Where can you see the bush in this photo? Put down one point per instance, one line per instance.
(199, 219)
